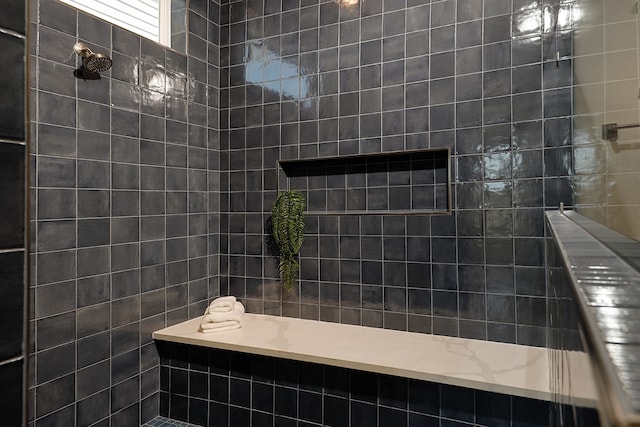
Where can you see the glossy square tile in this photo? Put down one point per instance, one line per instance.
(12, 109)
(12, 214)
(12, 303)
(443, 38)
(11, 375)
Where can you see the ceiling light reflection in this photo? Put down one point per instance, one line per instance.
(347, 3)
(529, 23)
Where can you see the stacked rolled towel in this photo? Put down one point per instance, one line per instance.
(223, 314)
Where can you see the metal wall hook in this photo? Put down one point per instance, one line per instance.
(610, 130)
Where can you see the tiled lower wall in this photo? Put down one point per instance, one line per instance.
(563, 317)
(218, 388)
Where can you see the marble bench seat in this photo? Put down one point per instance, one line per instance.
(483, 365)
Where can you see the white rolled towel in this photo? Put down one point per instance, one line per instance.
(221, 305)
(223, 321)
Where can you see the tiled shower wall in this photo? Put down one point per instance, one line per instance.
(13, 137)
(490, 79)
(126, 202)
(124, 219)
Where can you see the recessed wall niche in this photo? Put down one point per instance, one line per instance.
(400, 183)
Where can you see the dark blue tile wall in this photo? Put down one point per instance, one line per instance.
(13, 190)
(488, 79)
(564, 316)
(124, 210)
(211, 387)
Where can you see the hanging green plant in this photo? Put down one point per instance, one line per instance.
(287, 220)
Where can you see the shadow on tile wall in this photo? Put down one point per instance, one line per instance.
(304, 79)
(124, 219)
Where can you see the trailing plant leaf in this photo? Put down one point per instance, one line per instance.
(287, 220)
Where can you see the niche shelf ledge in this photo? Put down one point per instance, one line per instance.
(413, 182)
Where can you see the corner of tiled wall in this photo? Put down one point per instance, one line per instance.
(124, 222)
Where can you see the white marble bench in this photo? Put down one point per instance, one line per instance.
(483, 365)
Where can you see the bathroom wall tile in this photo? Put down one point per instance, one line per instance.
(100, 259)
(55, 77)
(500, 308)
(469, 60)
(12, 124)
(93, 203)
(93, 145)
(469, 34)
(442, 38)
(492, 407)
(55, 330)
(59, 17)
(11, 375)
(93, 290)
(12, 302)
(126, 283)
(125, 123)
(55, 45)
(93, 408)
(56, 140)
(96, 91)
(501, 332)
(56, 362)
(56, 172)
(13, 179)
(55, 266)
(92, 232)
(92, 174)
(47, 305)
(92, 116)
(14, 17)
(56, 235)
(95, 31)
(124, 149)
(125, 203)
(56, 109)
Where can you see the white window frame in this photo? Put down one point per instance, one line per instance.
(164, 23)
(158, 31)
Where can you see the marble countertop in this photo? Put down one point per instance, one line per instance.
(484, 365)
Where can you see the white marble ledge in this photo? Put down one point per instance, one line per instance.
(483, 365)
